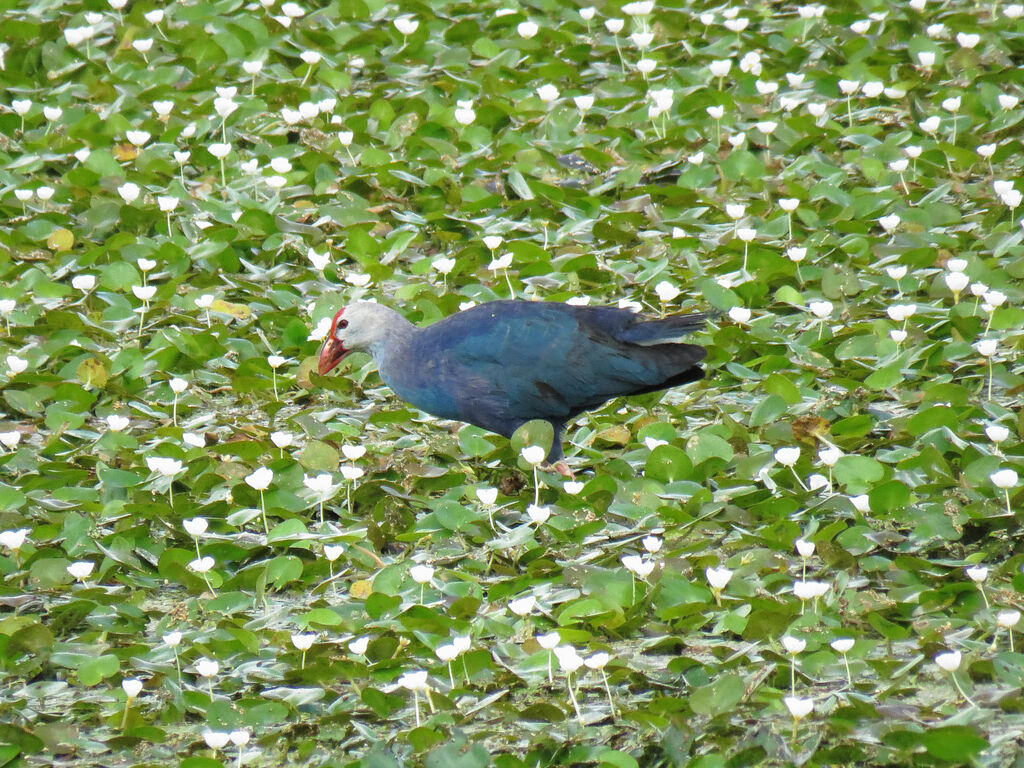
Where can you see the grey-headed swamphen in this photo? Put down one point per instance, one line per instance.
(503, 363)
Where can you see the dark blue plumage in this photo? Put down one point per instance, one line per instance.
(503, 363)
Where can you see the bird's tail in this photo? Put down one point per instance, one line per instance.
(667, 330)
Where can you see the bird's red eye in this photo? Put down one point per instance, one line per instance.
(343, 324)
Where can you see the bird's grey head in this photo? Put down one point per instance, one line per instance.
(361, 325)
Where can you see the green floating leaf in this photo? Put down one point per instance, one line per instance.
(718, 697)
(953, 743)
(667, 463)
(858, 473)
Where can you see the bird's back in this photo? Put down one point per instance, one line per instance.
(503, 363)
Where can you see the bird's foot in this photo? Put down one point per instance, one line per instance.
(563, 469)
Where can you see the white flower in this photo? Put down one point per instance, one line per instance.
(804, 548)
(638, 565)
(842, 644)
(718, 578)
(900, 312)
(178, 385)
(138, 138)
(359, 645)
(977, 573)
(16, 364)
(788, 456)
(568, 657)
(281, 164)
(80, 570)
(861, 503)
(793, 645)
(487, 495)
(1008, 619)
(997, 433)
(465, 115)
(261, 479)
(1004, 478)
(666, 291)
(597, 660)
(948, 661)
(547, 93)
(116, 422)
(614, 25)
(533, 454)
(987, 347)
(538, 514)
(216, 739)
(164, 466)
(446, 652)
(132, 686)
(202, 564)
(239, 737)
(652, 544)
(167, 203)
(492, 242)
(1006, 101)
(645, 67)
(820, 309)
(809, 590)
(527, 29)
(956, 281)
(219, 150)
(926, 59)
(796, 254)
(207, 667)
(522, 606)
(14, 540)
(319, 261)
(195, 526)
(172, 639)
(549, 641)
(303, 641)
(931, 124)
(995, 298)
(799, 708)
(444, 266)
(129, 192)
(281, 439)
(406, 25)
(422, 574)
(583, 103)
